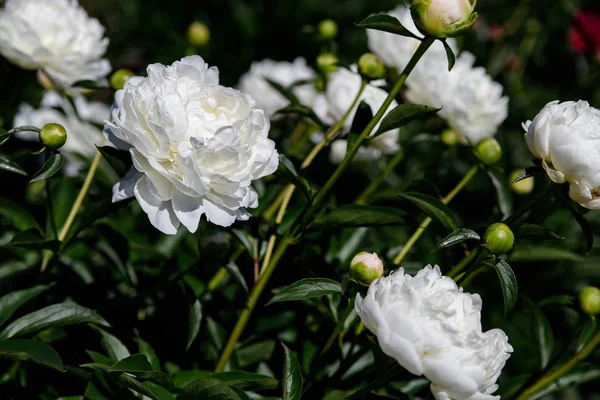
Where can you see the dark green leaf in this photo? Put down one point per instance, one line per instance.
(458, 236)
(31, 239)
(285, 92)
(147, 350)
(207, 389)
(386, 23)
(292, 377)
(528, 172)
(11, 166)
(303, 111)
(586, 227)
(403, 115)
(503, 193)
(307, 289)
(4, 136)
(30, 350)
(434, 208)
(287, 172)
(581, 373)
(362, 117)
(115, 349)
(544, 336)
(535, 230)
(158, 391)
(18, 215)
(561, 300)
(539, 253)
(508, 281)
(134, 363)
(246, 380)
(587, 334)
(12, 301)
(235, 272)
(450, 55)
(50, 167)
(119, 160)
(53, 316)
(357, 215)
(182, 378)
(99, 358)
(89, 84)
(246, 240)
(255, 352)
(511, 387)
(194, 318)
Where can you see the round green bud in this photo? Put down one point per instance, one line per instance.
(198, 34)
(443, 18)
(327, 63)
(370, 66)
(589, 299)
(498, 238)
(365, 268)
(328, 29)
(53, 136)
(118, 79)
(522, 187)
(450, 137)
(488, 151)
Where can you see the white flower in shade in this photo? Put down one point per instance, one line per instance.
(566, 137)
(57, 35)
(396, 51)
(284, 73)
(472, 103)
(432, 328)
(342, 88)
(196, 146)
(82, 133)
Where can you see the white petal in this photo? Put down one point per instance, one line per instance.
(124, 189)
(401, 350)
(217, 215)
(160, 213)
(187, 209)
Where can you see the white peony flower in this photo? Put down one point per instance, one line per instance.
(196, 146)
(566, 137)
(396, 51)
(82, 134)
(286, 74)
(57, 35)
(432, 328)
(472, 103)
(342, 88)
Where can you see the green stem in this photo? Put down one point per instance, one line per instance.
(421, 229)
(390, 166)
(559, 372)
(482, 253)
(49, 203)
(464, 263)
(340, 325)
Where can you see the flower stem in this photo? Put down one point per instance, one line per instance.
(421, 229)
(390, 166)
(340, 325)
(559, 372)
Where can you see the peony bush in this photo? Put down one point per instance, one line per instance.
(236, 200)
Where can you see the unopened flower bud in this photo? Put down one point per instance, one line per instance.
(198, 34)
(328, 29)
(498, 238)
(589, 299)
(443, 18)
(118, 79)
(44, 79)
(370, 66)
(450, 137)
(53, 136)
(327, 63)
(488, 151)
(523, 187)
(365, 268)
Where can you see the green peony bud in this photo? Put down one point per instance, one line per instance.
(589, 299)
(53, 136)
(365, 268)
(328, 29)
(488, 151)
(450, 137)
(443, 18)
(198, 34)
(498, 238)
(327, 63)
(118, 79)
(370, 66)
(522, 187)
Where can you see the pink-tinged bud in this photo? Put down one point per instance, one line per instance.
(365, 268)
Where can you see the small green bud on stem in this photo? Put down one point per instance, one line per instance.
(118, 79)
(327, 63)
(488, 151)
(522, 187)
(443, 18)
(498, 238)
(365, 268)
(589, 299)
(450, 137)
(53, 136)
(370, 66)
(328, 29)
(198, 34)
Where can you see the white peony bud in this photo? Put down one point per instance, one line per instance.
(565, 137)
(366, 268)
(443, 18)
(196, 146)
(432, 328)
(57, 35)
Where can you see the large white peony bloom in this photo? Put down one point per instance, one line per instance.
(57, 35)
(432, 328)
(566, 137)
(396, 51)
(286, 74)
(196, 146)
(342, 88)
(472, 103)
(82, 133)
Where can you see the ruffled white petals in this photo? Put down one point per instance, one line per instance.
(566, 137)
(124, 189)
(198, 145)
(56, 35)
(432, 328)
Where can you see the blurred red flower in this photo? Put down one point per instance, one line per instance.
(584, 33)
